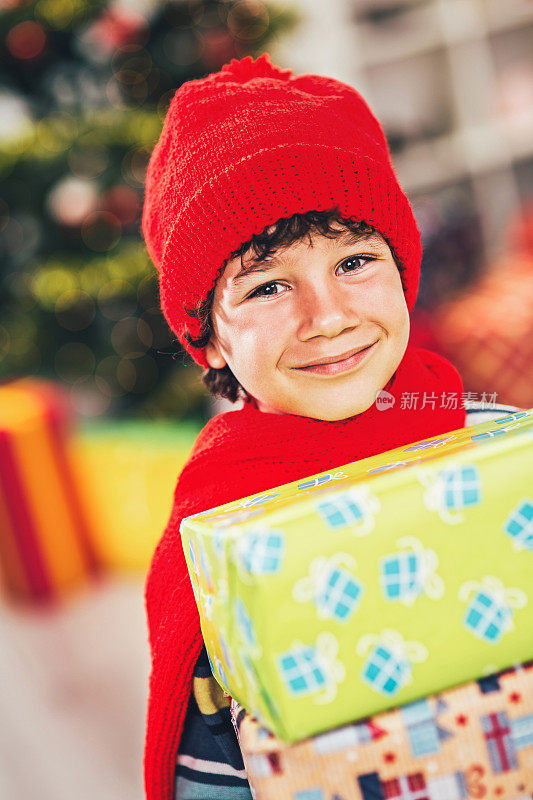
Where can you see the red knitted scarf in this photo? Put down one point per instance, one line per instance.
(237, 454)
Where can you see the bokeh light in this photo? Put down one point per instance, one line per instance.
(123, 202)
(73, 360)
(146, 374)
(19, 286)
(126, 374)
(71, 200)
(117, 299)
(134, 165)
(87, 161)
(182, 48)
(148, 292)
(248, 20)
(5, 342)
(75, 310)
(101, 231)
(131, 337)
(57, 132)
(55, 13)
(106, 377)
(49, 282)
(26, 41)
(87, 399)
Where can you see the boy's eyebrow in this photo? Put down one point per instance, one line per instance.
(345, 239)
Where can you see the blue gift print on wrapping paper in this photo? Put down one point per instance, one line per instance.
(487, 618)
(519, 525)
(450, 490)
(385, 467)
(333, 588)
(384, 671)
(522, 731)
(221, 673)
(301, 670)
(355, 507)
(461, 487)
(511, 417)
(245, 623)
(424, 732)
(489, 614)
(339, 595)
(427, 445)
(309, 794)
(341, 511)
(312, 482)
(204, 564)
(217, 541)
(193, 558)
(257, 501)
(487, 435)
(262, 552)
(226, 653)
(400, 576)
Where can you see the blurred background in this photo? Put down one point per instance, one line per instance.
(99, 405)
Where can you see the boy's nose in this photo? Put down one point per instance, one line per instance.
(325, 311)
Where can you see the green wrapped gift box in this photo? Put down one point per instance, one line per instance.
(333, 598)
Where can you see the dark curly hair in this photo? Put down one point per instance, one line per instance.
(284, 232)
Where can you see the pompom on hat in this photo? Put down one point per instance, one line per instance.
(251, 144)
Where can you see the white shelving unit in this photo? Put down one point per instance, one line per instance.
(451, 81)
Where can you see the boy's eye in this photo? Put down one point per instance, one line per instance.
(351, 264)
(261, 290)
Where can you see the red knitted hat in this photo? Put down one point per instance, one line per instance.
(248, 145)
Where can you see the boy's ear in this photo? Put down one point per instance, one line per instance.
(213, 356)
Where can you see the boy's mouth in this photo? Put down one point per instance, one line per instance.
(335, 364)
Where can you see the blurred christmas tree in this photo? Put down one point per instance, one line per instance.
(84, 88)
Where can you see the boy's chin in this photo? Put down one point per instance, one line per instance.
(337, 414)
(328, 412)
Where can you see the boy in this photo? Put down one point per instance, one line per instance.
(289, 260)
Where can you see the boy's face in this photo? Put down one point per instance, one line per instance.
(312, 301)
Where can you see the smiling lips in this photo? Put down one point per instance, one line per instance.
(336, 364)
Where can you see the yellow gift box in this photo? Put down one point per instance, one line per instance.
(333, 598)
(131, 470)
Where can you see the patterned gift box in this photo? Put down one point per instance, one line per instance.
(47, 539)
(373, 585)
(473, 741)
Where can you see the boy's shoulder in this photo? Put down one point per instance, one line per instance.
(478, 412)
(218, 430)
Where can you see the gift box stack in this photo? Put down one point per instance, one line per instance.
(397, 578)
(46, 535)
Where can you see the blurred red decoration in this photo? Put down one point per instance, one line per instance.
(8, 5)
(219, 48)
(117, 27)
(488, 332)
(26, 40)
(520, 232)
(422, 333)
(123, 202)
